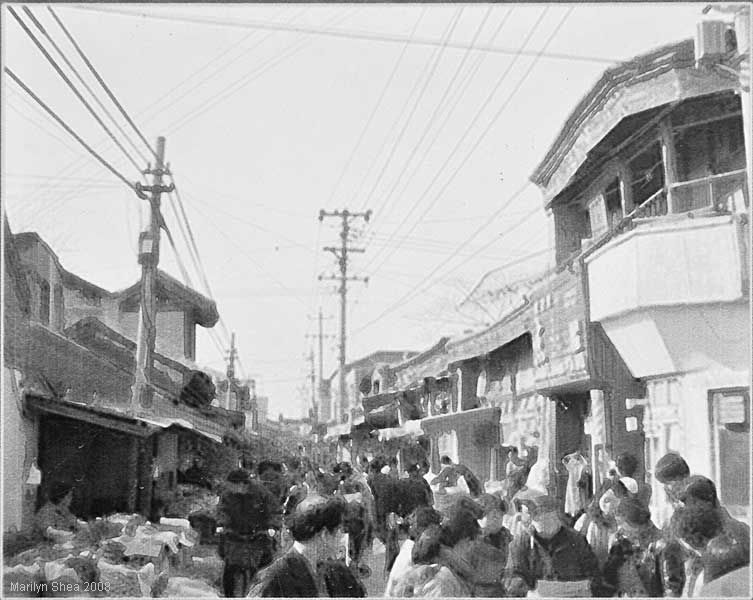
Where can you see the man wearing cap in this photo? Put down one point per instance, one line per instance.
(682, 489)
(550, 557)
(250, 517)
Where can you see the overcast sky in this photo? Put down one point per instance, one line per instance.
(266, 123)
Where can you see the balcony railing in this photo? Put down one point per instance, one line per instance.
(725, 192)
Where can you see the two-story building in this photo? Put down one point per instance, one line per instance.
(67, 406)
(647, 186)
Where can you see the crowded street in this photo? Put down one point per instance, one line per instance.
(376, 300)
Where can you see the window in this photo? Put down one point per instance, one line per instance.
(44, 302)
(704, 151)
(729, 414)
(646, 172)
(613, 202)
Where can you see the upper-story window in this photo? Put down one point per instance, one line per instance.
(605, 208)
(646, 172)
(44, 302)
(704, 153)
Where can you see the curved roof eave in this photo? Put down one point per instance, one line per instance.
(582, 130)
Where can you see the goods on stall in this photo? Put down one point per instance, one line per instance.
(191, 498)
(23, 580)
(119, 555)
(62, 580)
(184, 587)
(120, 580)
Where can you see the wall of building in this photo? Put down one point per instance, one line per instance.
(170, 331)
(20, 440)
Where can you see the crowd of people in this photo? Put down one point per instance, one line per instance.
(298, 530)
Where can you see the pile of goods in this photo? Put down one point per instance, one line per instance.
(119, 555)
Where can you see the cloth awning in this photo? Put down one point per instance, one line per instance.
(376, 401)
(451, 421)
(335, 431)
(409, 429)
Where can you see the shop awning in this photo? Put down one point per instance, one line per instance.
(335, 431)
(451, 421)
(376, 401)
(110, 418)
(409, 429)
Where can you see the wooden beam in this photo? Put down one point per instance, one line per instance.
(116, 423)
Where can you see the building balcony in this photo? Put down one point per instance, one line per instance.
(669, 290)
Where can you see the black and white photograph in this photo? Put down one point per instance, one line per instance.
(376, 299)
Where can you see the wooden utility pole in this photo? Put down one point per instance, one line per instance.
(141, 395)
(341, 254)
(231, 372)
(320, 337)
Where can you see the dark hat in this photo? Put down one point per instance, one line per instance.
(238, 476)
(699, 488)
(671, 467)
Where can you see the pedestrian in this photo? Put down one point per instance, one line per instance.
(627, 466)
(709, 552)
(682, 490)
(310, 567)
(249, 516)
(419, 520)
(56, 511)
(478, 563)
(430, 576)
(632, 568)
(492, 524)
(451, 473)
(551, 558)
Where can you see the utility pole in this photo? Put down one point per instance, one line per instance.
(231, 372)
(141, 396)
(341, 254)
(312, 378)
(320, 337)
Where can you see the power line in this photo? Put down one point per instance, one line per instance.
(101, 82)
(435, 63)
(468, 129)
(431, 121)
(346, 34)
(65, 126)
(473, 148)
(227, 92)
(70, 84)
(71, 167)
(462, 88)
(378, 104)
(418, 286)
(83, 82)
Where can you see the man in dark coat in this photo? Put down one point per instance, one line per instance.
(551, 557)
(250, 517)
(310, 568)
